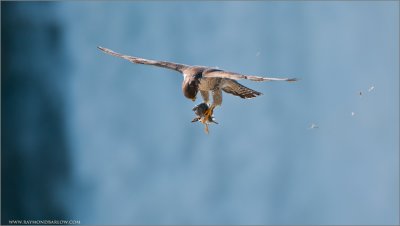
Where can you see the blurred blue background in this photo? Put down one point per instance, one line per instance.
(94, 138)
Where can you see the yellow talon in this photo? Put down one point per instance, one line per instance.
(208, 114)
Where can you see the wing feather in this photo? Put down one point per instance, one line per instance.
(216, 73)
(137, 60)
(237, 89)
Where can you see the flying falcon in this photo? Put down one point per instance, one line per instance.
(205, 80)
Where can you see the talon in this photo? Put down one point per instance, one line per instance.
(208, 114)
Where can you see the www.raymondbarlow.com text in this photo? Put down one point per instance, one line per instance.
(44, 222)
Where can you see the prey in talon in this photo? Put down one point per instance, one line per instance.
(204, 115)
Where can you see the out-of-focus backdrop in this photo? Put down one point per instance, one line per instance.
(94, 138)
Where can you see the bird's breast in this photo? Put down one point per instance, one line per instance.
(208, 84)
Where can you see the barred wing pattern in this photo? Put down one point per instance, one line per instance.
(235, 88)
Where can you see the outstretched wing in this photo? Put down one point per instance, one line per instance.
(137, 60)
(216, 73)
(237, 89)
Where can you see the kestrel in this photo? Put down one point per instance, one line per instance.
(205, 80)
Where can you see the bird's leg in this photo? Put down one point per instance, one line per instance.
(217, 101)
(208, 114)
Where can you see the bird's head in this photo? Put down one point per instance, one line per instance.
(190, 87)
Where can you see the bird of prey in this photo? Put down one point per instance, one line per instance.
(205, 80)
